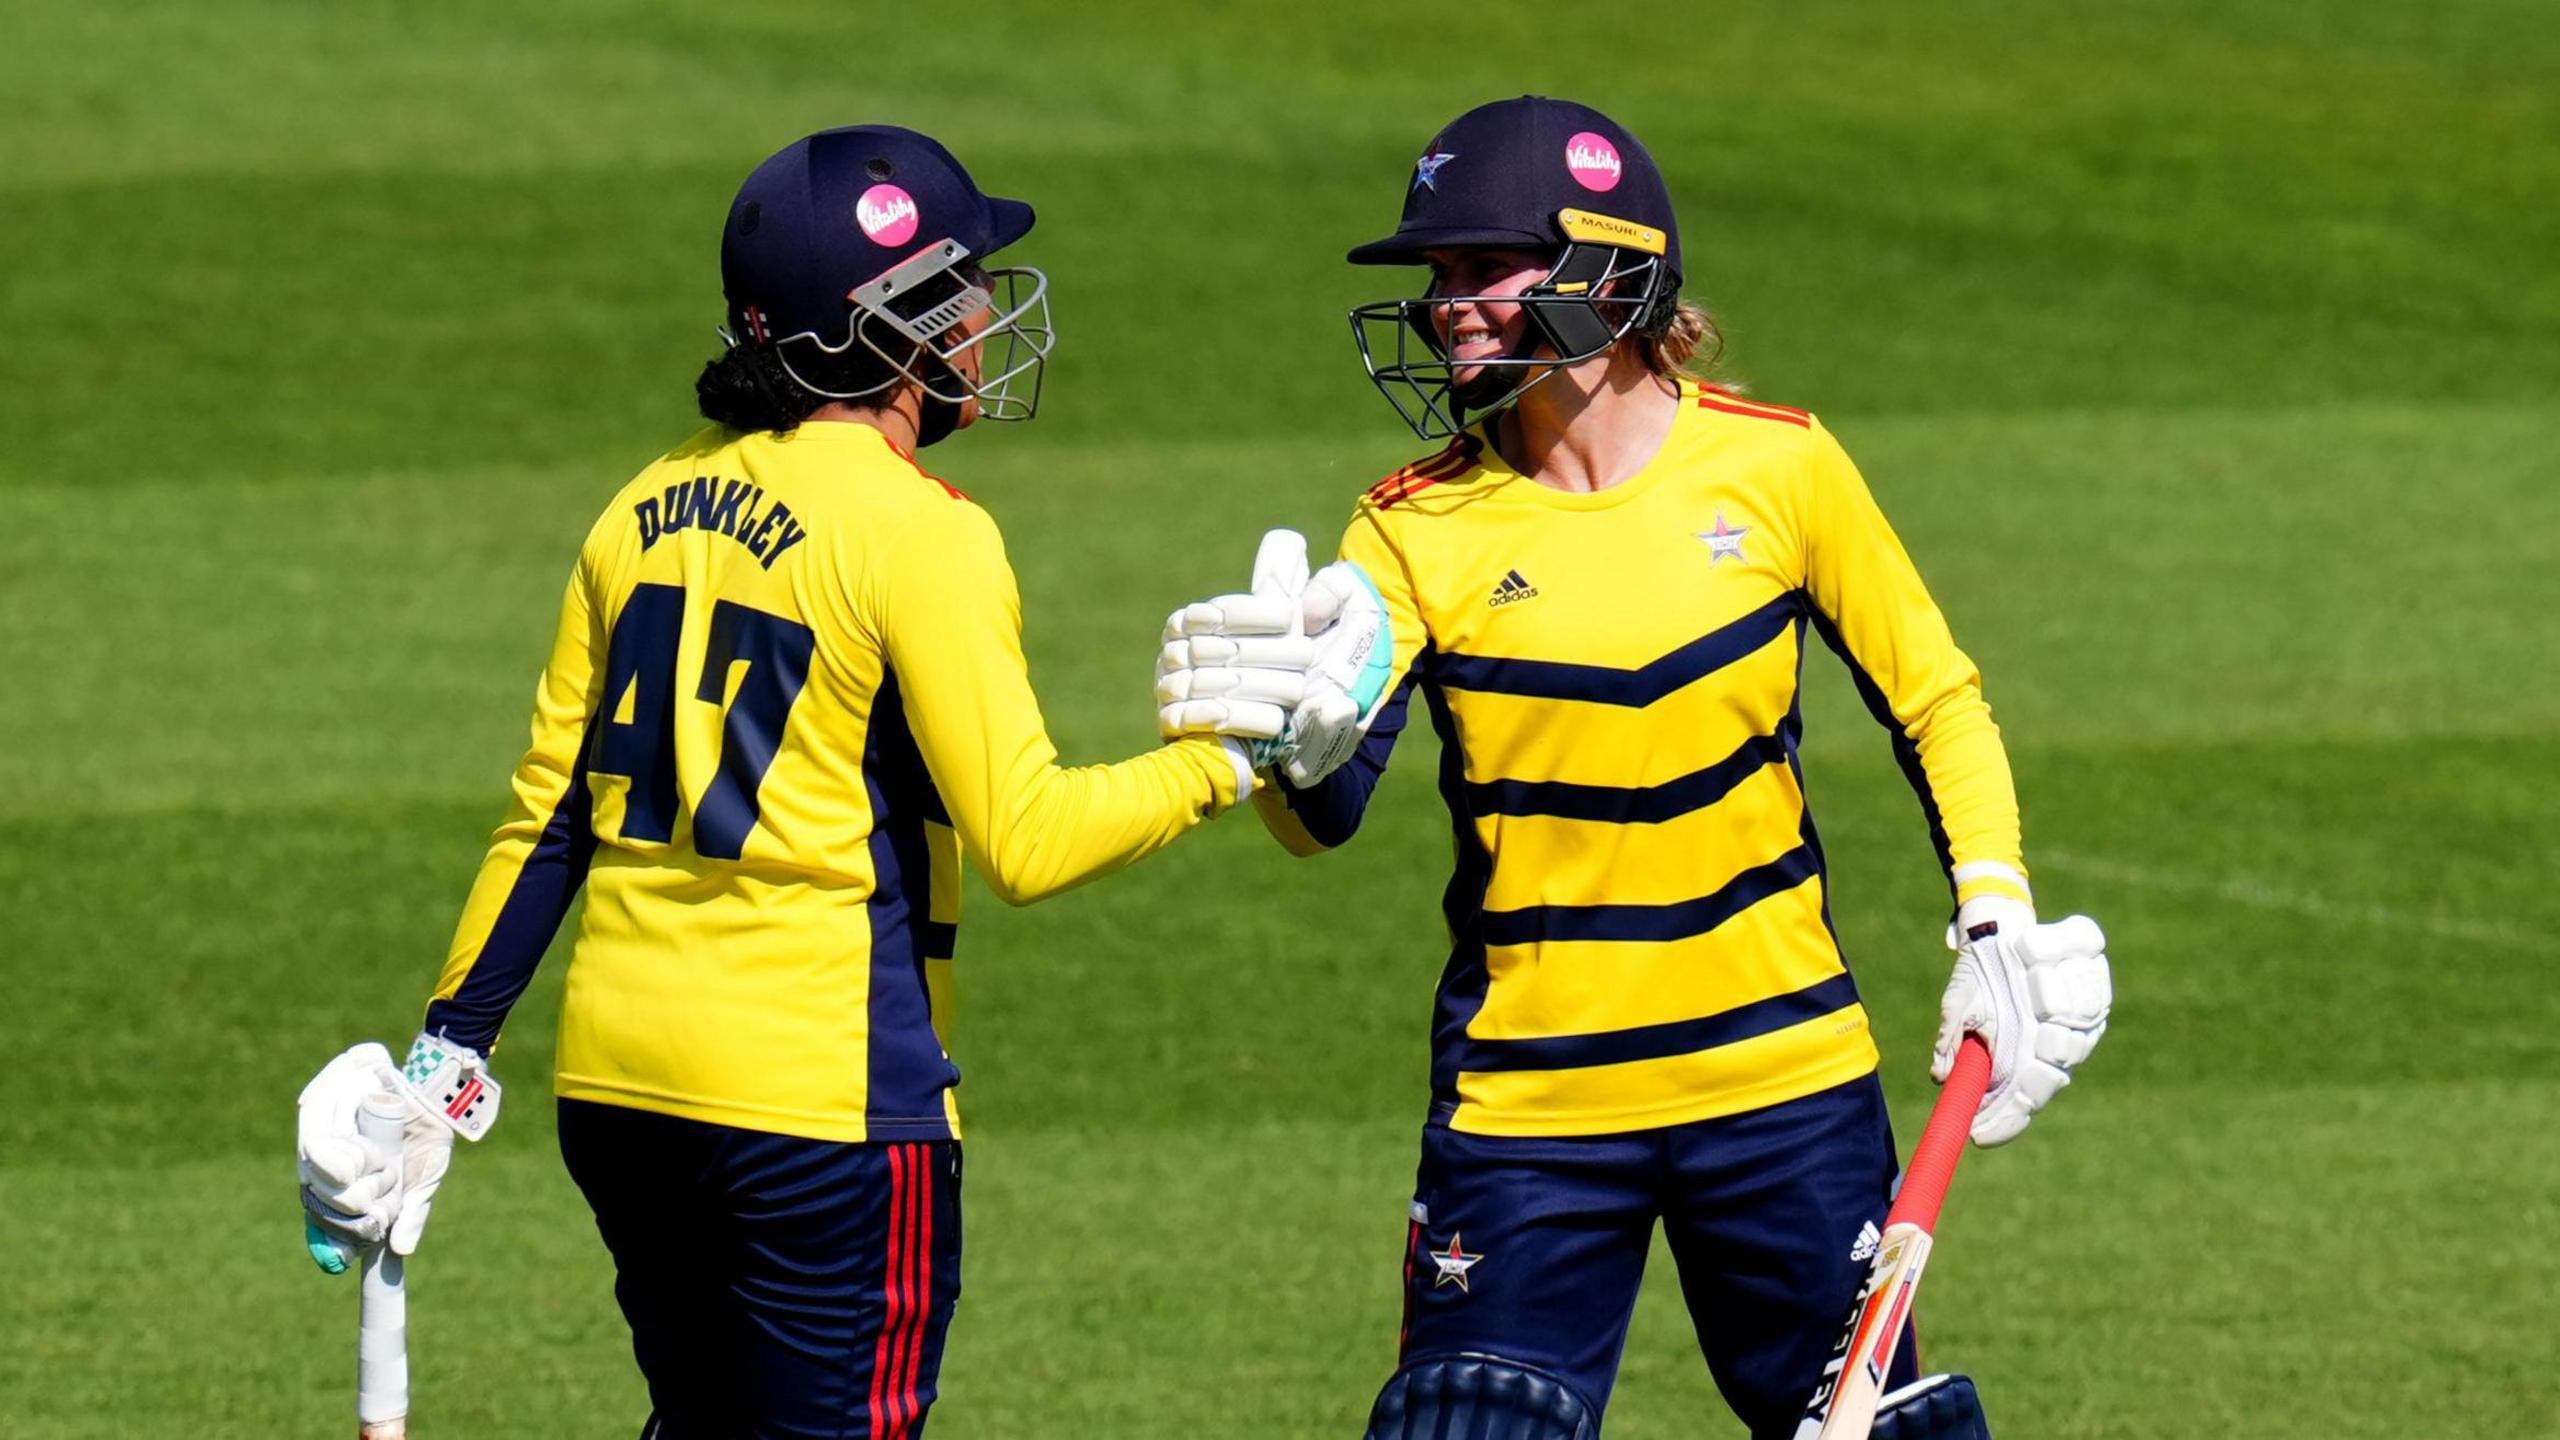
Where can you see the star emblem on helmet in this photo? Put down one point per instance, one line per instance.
(1426, 171)
(1453, 1265)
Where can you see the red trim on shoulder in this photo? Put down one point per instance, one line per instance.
(1454, 460)
(954, 491)
(1732, 404)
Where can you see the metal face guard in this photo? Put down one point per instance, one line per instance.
(1595, 296)
(908, 325)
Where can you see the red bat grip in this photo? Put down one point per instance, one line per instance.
(1933, 1160)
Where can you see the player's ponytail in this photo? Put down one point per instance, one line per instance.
(1690, 345)
(746, 388)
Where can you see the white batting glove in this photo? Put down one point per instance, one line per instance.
(1347, 684)
(2038, 995)
(351, 1199)
(349, 1195)
(1298, 668)
(1236, 666)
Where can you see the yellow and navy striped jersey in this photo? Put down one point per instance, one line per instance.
(787, 693)
(1639, 918)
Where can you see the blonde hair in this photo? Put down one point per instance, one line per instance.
(1690, 345)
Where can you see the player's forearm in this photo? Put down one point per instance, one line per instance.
(1321, 816)
(1049, 828)
(1966, 769)
(534, 867)
(1316, 818)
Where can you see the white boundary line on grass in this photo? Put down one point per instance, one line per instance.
(2257, 894)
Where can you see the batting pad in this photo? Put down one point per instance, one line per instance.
(1478, 1397)
(1934, 1407)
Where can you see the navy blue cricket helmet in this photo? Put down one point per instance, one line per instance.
(858, 255)
(1527, 173)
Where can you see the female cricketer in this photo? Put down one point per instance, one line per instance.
(787, 695)
(1600, 591)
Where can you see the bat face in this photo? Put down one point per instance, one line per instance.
(1844, 1404)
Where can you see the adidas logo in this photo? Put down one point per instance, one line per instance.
(1868, 1240)
(1513, 588)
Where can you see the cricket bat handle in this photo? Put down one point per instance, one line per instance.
(1933, 1160)
(382, 1326)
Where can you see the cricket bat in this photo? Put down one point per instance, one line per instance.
(382, 1326)
(1844, 1403)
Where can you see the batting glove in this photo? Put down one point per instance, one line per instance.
(353, 1198)
(1347, 683)
(2038, 995)
(350, 1195)
(1298, 667)
(1236, 666)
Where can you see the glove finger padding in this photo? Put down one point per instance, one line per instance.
(1327, 593)
(1284, 688)
(1322, 734)
(2076, 992)
(2071, 937)
(1280, 565)
(333, 1239)
(348, 1193)
(1263, 652)
(362, 1195)
(1255, 614)
(2005, 1118)
(1243, 719)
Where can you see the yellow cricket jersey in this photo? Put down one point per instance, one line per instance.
(1639, 916)
(788, 691)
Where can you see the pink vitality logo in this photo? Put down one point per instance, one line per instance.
(1593, 161)
(887, 214)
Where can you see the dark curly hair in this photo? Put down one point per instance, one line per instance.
(746, 388)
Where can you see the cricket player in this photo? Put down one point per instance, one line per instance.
(1600, 591)
(787, 696)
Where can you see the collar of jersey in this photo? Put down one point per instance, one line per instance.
(853, 430)
(1528, 491)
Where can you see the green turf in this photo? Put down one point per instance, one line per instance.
(2201, 351)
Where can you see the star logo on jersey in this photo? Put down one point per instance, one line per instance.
(1426, 171)
(1724, 540)
(1453, 1265)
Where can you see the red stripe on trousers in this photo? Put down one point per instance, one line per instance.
(902, 1325)
(1404, 1321)
(881, 1351)
(924, 1286)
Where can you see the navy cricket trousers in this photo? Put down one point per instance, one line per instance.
(777, 1288)
(1532, 1249)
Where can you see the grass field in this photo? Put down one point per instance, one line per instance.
(2203, 352)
